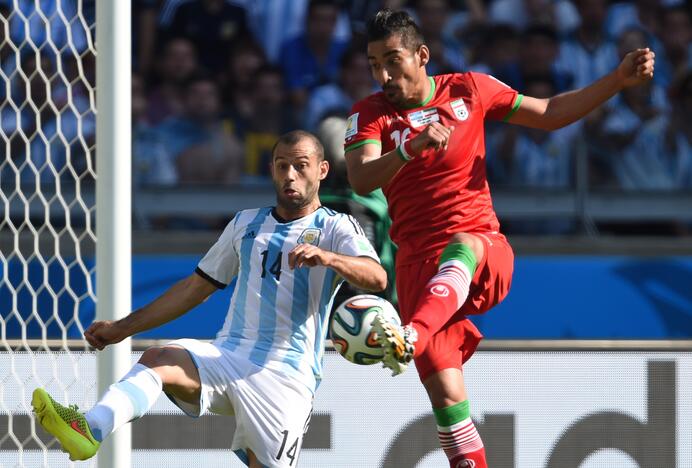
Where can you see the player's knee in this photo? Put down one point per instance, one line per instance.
(470, 240)
(158, 356)
(150, 357)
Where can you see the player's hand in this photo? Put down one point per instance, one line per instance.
(637, 67)
(435, 136)
(103, 333)
(307, 255)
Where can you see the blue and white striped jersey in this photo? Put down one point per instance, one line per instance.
(278, 317)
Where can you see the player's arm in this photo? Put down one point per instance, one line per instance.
(637, 67)
(176, 301)
(369, 170)
(361, 272)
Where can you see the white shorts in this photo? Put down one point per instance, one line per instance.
(272, 411)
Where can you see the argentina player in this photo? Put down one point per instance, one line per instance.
(265, 363)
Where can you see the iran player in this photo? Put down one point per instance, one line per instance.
(421, 140)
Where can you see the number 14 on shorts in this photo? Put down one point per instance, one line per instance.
(292, 450)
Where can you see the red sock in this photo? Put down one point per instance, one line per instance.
(458, 436)
(463, 445)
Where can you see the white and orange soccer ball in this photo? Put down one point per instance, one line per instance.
(351, 328)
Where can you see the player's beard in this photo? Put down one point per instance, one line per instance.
(293, 204)
(396, 97)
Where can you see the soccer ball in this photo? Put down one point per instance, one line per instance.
(351, 328)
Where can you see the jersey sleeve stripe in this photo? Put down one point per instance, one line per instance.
(515, 107)
(217, 284)
(362, 143)
(355, 225)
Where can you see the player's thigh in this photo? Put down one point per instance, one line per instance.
(494, 264)
(272, 415)
(176, 368)
(493, 277)
(472, 240)
(215, 374)
(410, 284)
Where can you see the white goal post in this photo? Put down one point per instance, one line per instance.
(114, 201)
(65, 91)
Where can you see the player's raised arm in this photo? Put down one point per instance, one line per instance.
(369, 170)
(176, 301)
(636, 68)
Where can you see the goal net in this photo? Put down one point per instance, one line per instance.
(47, 206)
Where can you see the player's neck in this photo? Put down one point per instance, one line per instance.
(423, 94)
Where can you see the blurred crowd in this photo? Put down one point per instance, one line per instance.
(216, 81)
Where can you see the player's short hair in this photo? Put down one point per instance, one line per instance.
(387, 22)
(296, 136)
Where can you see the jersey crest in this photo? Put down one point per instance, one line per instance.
(459, 109)
(310, 236)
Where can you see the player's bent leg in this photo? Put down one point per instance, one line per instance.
(444, 295)
(253, 462)
(179, 374)
(458, 435)
(448, 289)
(133, 395)
(272, 412)
(66, 424)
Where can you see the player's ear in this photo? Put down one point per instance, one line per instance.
(324, 169)
(423, 55)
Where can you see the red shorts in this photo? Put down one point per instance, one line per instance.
(452, 345)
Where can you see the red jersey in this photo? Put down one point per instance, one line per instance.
(446, 191)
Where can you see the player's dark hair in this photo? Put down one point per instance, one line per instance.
(296, 136)
(387, 22)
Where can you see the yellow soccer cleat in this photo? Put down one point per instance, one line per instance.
(66, 424)
(397, 342)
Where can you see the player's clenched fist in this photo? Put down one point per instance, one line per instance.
(308, 255)
(434, 136)
(636, 67)
(103, 333)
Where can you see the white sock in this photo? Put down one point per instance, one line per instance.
(455, 275)
(124, 401)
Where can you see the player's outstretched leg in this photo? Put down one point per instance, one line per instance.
(124, 401)
(447, 291)
(66, 424)
(397, 342)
